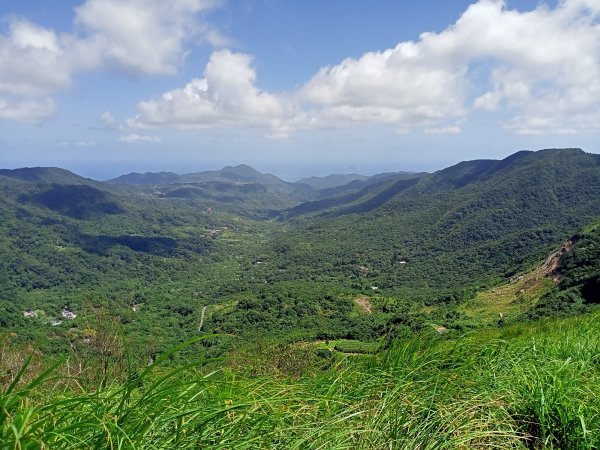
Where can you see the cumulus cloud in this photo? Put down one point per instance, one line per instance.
(226, 96)
(108, 120)
(32, 61)
(545, 62)
(402, 86)
(545, 67)
(541, 66)
(139, 37)
(135, 138)
(142, 36)
(27, 110)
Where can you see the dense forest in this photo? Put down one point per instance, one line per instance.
(266, 311)
(254, 254)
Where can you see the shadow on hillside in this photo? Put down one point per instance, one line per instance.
(76, 201)
(102, 244)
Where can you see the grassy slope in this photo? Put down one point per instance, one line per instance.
(525, 386)
(573, 267)
(509, 300)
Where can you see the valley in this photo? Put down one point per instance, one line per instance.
(277, 256)
(258, 277)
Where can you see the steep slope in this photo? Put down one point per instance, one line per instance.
(566, 283)
(577, 277)
(517, 296)
(469, 225)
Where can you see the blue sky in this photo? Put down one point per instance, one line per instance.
(296, 88)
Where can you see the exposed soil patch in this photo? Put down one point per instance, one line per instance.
(550, 266)
(364, 303)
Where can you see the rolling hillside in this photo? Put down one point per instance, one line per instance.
(403, 244)
(470, 225)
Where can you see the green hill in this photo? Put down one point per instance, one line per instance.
(235, 175)
(411, 248)
(333, 180)
(45, 175)
(470, 225)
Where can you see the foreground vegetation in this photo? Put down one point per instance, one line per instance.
(531, 385)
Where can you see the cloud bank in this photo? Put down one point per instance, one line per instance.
(540, 68)
(533, 71)
(137, 37)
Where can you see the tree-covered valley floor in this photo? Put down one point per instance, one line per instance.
(396, 311)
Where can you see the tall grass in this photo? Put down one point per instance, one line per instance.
(526, 386)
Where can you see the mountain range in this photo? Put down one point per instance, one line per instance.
(285, 256)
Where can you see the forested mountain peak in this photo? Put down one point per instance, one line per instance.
(470, 172)
(239, 173)
(146, 178)
(241, 170)
(45, 175)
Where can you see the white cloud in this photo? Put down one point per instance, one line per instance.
(452, 129)
(540, 66)
(226, 96)
(134, 138)
(402, 86)
(545, 69)
(488, 101)
(76, 143)
(140, 37)
(108, 120)
(32, 62)
(545, 63)
(27, 110)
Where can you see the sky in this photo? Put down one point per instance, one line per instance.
(295, 88)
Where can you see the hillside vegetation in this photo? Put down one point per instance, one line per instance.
(525, 386)
(416, 246)
(231, 309)
(470, 225)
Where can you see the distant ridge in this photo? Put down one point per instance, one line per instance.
(241, 173)
(306, 189)
(391, 189)
(333, 180)
(46, 175)
(147, 178)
